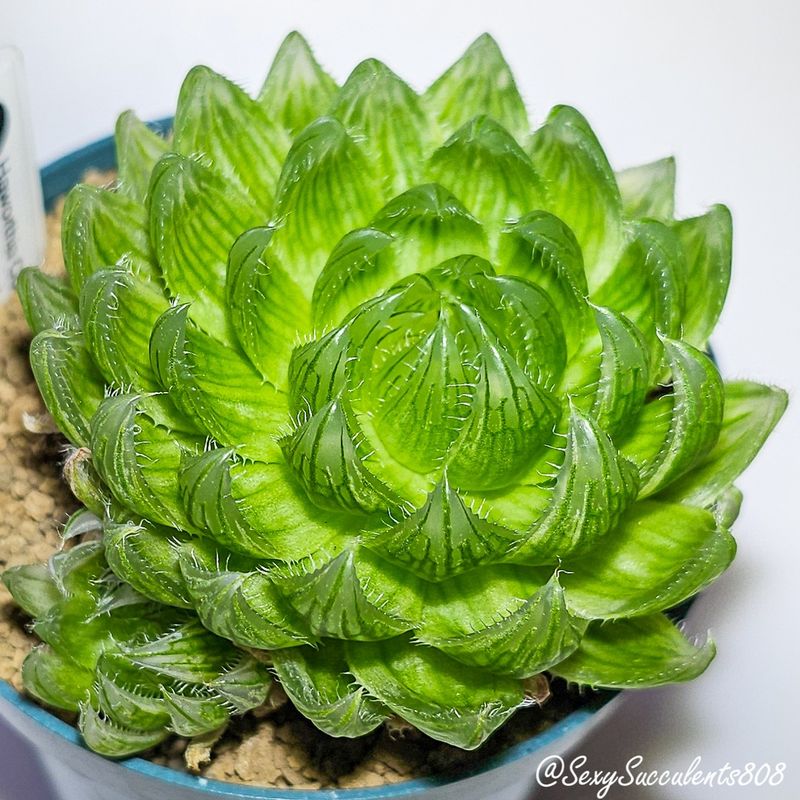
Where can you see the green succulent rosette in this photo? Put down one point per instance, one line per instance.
(134, 669)
(385, 385)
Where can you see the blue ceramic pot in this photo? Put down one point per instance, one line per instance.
(43, 758)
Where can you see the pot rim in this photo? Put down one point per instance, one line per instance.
(57, 178)
(216, 788)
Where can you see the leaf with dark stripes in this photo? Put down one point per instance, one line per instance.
(582, 189)
(47, 301)
(423, 686)
(328, 186)
(463, 91)
(512, 621)
(635, 654)
(100, 229)
(235, 135)
(68, 381)
(138, 148)
(297, 90)
(316, 681)
(195, 217)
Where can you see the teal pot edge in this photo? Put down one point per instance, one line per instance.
(57, 178)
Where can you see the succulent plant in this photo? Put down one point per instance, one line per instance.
(408, 400)
(135, 669)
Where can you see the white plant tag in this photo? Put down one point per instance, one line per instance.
(21, 206)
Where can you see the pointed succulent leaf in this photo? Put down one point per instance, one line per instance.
(267, 309)
(253, 508)
(297, 90)
(118, 595)
(235, 599)
(317, 372)
(126, 696)
(508, 620)
(205, 486)
(635, 654)
(68, 381)
(47, 301)
(325, 454)
(195, 217)
(75, 630)
(624, 372)
(384, 112)
(118, 311)
(649, 190)
(328, 186)
(271, 502)
(648, 283)
(426, 380)
(215, 387)
(463, 91)
(707, 245)
(582, 188)
(510, 415)
(519, 317)
(430, 225)
(519, 506)
(361, 266)
(218, 122)
(146, 557)
(109, 739)
(85, 483)
(397, 592)
(82, 523)
(138, 148)
(727, 507)
(32, 587)
(317, 682)
(751, 411)
(55, 679)
(612, 379)
(138, 460)
(128, 708)
(336, 598)
(501, 182)
(441, 538)
(678, 428)
(659, 555)
(193, 715)
(243, 685)
(101, 229)
(540, 248)
(445, 699)
(593, 487)
(77, 570)
(373, 335)
(185, 652)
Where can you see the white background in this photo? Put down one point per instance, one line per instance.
(715, 84)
